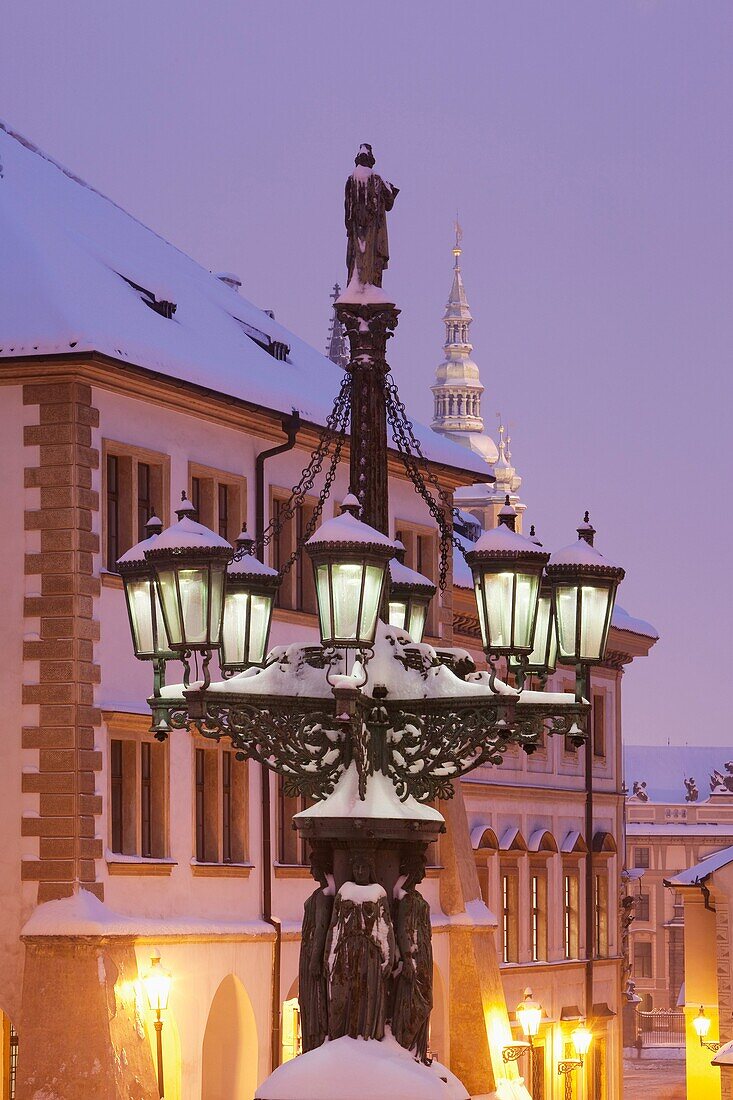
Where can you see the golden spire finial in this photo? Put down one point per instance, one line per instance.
(459, 237)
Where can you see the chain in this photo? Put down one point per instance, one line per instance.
(335, 429)
(413, 459)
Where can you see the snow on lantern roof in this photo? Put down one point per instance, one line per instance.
(188, 534)
(136, 554)
(80, 274)
(583, 555)
(401, 574)
(502, 540)
(347, 529)
(249, 565)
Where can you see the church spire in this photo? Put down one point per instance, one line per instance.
(457, 390)
(337, 348)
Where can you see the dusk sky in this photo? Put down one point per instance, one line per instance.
(587, 147)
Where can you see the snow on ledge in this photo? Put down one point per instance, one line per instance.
(382, 801)
(83, 914)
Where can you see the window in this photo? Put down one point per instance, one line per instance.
(220, 805)
(510, 914)
(297, 591)
(641, 858)
(600, 918)
(291, 849)
(137, 797)
(538, 913)
(421, 553)
(220, 499)
(642, 959)
(599, 725)
(641, 907)
(135, 486)
(571, 903)
(8, 1058)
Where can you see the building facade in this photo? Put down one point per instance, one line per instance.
(129, 374)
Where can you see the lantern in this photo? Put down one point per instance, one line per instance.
(581, 1037)
(350, 564)
(190, 565)
(157, 984)
(584, 587)
(410, 594)
(149, 637)
(506, 571)
(529, 1014)
(701, 1024)
(248, 601)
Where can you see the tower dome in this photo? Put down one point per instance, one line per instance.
(457, 389)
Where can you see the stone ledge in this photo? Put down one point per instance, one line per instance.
(140, 866)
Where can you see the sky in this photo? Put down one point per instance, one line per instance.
(588, 150)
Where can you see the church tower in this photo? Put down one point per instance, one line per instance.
(457, 390)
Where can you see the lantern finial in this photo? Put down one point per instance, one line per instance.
(350, 504)
(587, 531)
(186, 507)
(507, 515)
(154, 526)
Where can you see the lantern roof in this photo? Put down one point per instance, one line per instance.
(188, 534)
(401, 574)
(581, 555)
(501, 542)
(136, 554)
(249, 565)
(347, 529)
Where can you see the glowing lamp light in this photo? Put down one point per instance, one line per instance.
(350, 562)
(149, 637)
(507, 569)
(248, 602)
(410, 594)
(701, 1024)
(581, 1037)
(190, 564)
(584, 587)
(157, 985)
(529, 1014)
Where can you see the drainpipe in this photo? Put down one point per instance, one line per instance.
(291, 426)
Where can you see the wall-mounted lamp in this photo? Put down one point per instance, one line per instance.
(157, 984)
(581, 1038)
(701, 1024)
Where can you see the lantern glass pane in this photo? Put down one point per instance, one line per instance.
(524, 609)
(594, 606)
(323, 589)
(398, 614)
(543, 624)
(194, 589)
(499, 588)
(140, 602)
(478, 589)
(261, 612)
(169, 602)
(234, 628)
(346, 579)
(373, 577)
(566, 604)
(418, 615)
(217, 575)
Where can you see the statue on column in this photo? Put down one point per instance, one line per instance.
(312, 991)
(368, 198)
(360, 953)
(413, 982)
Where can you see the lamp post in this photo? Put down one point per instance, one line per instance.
(584, 587)
(157, 983)
(701, 1024)
(529, 1015)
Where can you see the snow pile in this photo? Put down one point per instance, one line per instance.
(382, 801)
(361, 1069)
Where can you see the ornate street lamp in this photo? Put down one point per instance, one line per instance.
(410, 594)
(701, 1024)
(529, 1014)
(350, 565)
(248, 600)
(584, 587)
(542, 661)
(157, 984)
(149, 637)
(581, 1038)
(190, 564)
(507, 569)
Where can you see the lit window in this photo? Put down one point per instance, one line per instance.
(509, 914)
(642, 959)
(571, 898)
(538, 914)
(600, 905)
(641, 858)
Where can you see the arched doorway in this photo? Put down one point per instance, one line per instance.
(290, 1025)
(229, 1056)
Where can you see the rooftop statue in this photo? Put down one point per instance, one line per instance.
(368, 198)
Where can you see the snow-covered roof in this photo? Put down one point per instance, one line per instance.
(190, 534)
(581, 553)
(696, 875)
(621, 620)
(724, 1057)
(664, 768)
(399, 573)
(348, 529)
(76, 271)
(502, 540)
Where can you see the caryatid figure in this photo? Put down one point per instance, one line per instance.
(360, 954)
(312, 991)
(368, 198)
(413, 983)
